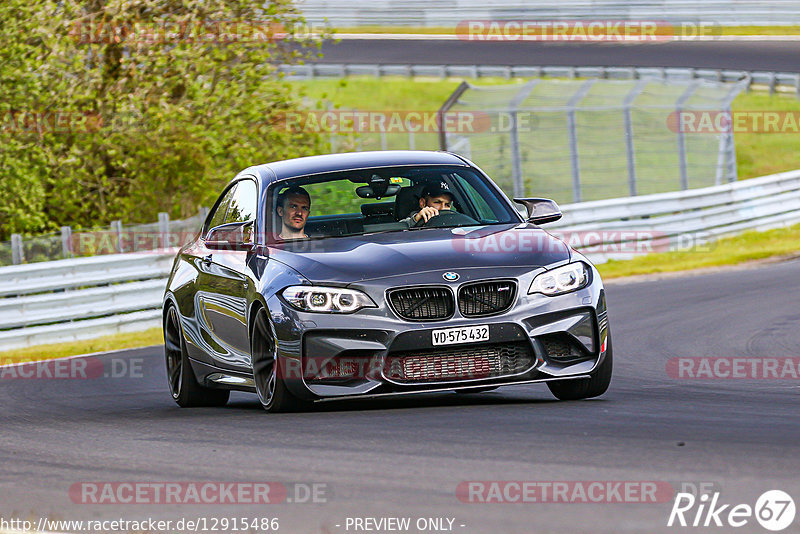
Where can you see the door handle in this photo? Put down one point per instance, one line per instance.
(207, 260)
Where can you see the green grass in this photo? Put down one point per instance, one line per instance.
(386, 93)
(759, 154)
(129, 340)
(654, 168)
(742, 248)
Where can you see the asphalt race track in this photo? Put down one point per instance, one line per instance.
(781, 56)
(407, 457)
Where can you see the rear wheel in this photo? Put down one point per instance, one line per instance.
(585, 388)
(182, 382)
(270, 386)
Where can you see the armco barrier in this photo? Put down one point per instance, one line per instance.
(67, 300)
(772, 81)
(674, 221)
(83, 298)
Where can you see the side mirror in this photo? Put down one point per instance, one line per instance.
(540, 210)
(235, 236)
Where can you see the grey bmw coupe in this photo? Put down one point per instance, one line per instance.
(379, 273)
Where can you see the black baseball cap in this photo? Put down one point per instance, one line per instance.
(435, 189)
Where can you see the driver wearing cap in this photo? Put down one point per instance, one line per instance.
(435, 197)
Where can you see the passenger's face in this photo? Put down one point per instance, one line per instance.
(441, 202)
(294, 211)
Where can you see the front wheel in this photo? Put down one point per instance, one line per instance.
(270, 386)
(182, 382)
(586, 388)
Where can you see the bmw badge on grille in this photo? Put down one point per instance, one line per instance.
(451, 276)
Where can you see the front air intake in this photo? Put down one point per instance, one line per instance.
(479, 299)
(433, 303)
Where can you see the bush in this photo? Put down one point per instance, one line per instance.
(102, 121)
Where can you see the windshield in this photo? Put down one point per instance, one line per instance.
(384, 200)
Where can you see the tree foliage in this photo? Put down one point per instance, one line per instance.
(120, 109)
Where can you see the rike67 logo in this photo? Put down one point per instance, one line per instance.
(774, 510)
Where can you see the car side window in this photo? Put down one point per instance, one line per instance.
(243, 204)
(218, 217)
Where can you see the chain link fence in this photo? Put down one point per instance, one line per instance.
(114, 239)
(580, 140)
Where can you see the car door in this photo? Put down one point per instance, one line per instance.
(222, 289)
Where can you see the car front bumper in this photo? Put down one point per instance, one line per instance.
(374, 352)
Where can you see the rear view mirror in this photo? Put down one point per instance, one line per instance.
(378, 188)
(235, 236)
(366, 191)
(540, 210)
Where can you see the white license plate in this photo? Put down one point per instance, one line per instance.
(461, 334)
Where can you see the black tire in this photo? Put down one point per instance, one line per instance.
(182, 383)
(272, 392)
(586, 388)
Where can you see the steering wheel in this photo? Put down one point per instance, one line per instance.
(449, 218)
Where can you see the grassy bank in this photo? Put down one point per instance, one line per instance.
(428, 94)
(129, 340)
(736, 250)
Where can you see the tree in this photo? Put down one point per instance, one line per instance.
(119, 109)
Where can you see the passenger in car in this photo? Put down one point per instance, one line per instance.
(293, 207)
(435, 197)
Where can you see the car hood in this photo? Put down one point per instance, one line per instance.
(372, 256)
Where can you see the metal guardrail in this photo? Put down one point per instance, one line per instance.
(65, 300)
(437, 13)
(772, 81)
(624, 228)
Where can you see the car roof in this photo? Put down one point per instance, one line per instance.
(292, 168)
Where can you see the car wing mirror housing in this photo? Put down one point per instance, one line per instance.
(237, 236)
(540, 210)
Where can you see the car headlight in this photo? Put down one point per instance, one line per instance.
(326, 299)
(561, 280)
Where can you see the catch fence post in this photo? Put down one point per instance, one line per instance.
(629, 148)
(17, 254)
(163, 229)
(572, 131)
(682, 161)
(516, 153)
(116, 228)
(66, 241)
